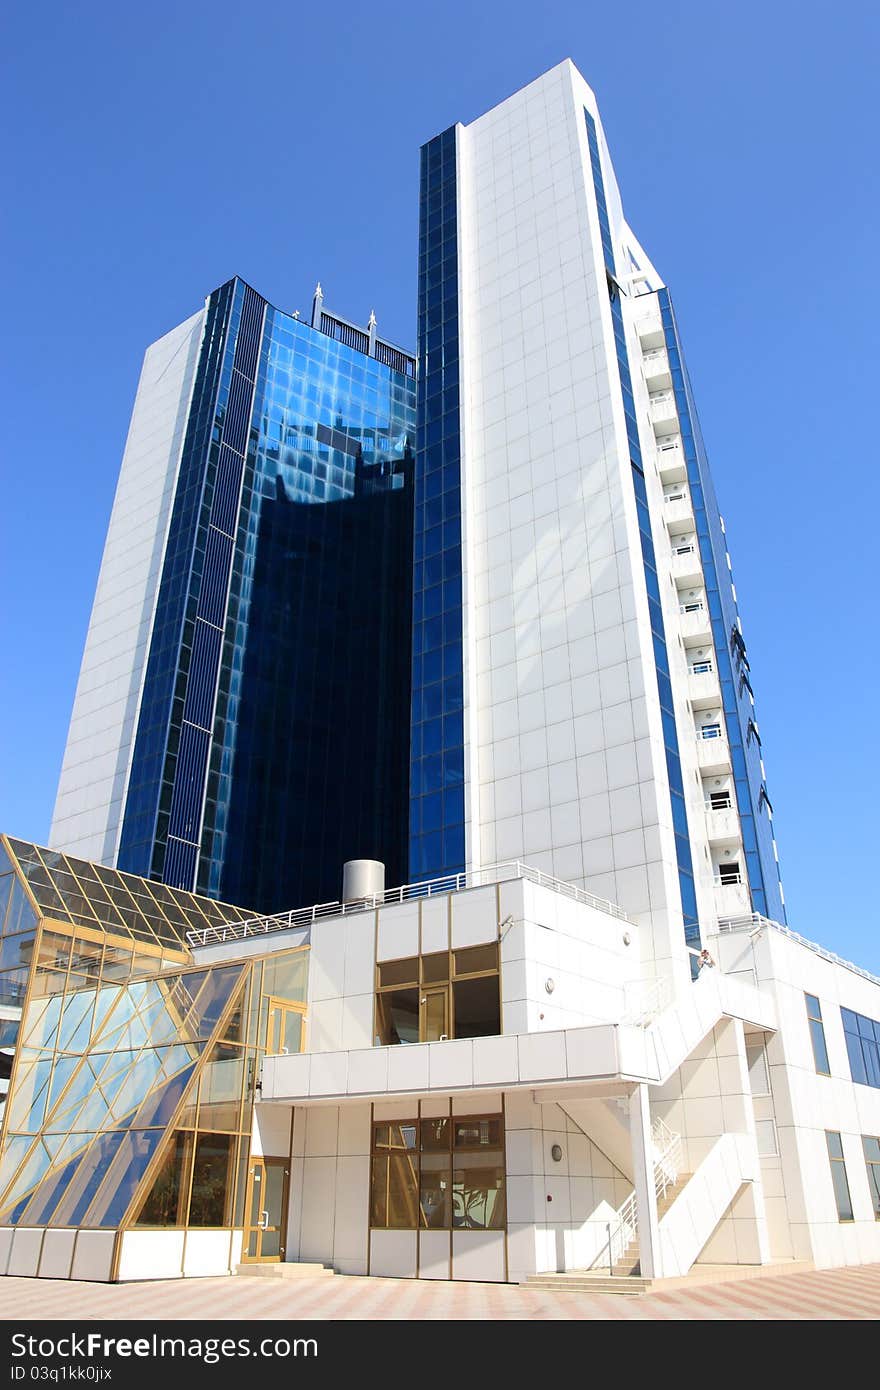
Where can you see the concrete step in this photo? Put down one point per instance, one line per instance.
(584, 1281)
(283, 1270)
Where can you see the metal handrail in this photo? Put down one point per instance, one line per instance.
(449, 883)
(667, 1166)
(754, 919)
(721, 881)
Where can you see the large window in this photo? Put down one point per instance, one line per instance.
(871, 1147)
(838, 1176)
(448, 994)
(817, 1035)
(863, 1045)
(444, 1173)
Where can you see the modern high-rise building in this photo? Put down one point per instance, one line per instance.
(581, 1040)
(582, 698)
(240, 719)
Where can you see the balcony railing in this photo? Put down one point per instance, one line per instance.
(723, 880)
(754, 922)
(450, 883)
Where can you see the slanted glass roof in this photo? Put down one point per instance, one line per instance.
(91, 895)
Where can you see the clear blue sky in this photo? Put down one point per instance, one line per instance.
(155, 150)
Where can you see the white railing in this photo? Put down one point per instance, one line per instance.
(667, 1157)
(753, 920)
(674, 496)
(451, 883)
(662, 398)
(644, 999)
(710, 731)
(702, 668)
(722, 880)
(625, 1228)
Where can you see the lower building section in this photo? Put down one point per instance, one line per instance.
(482, 1082)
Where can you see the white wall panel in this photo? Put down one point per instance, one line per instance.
(88, 807)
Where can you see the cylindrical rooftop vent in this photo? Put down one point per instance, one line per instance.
(362, 878)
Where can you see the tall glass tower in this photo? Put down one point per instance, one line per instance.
(240, 725)
(581, 693)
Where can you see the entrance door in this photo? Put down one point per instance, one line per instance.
(434, 1004)
(266, 1210)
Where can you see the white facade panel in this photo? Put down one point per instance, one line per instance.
(565, 757)
(94, 774)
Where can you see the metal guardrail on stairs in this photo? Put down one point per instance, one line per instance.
(667, 1166)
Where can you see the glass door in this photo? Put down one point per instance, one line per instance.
(264, 1235)
(434, 1023)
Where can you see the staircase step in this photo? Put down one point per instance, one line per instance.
(584, 1281)
(283, 1270)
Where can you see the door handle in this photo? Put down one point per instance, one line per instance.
(263, 1223)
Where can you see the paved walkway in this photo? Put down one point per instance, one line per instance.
(815, 1294)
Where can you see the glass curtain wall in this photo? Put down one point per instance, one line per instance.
(134, 1091)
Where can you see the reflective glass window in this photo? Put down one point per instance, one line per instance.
(839, 1178)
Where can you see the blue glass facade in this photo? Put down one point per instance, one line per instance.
(151, 780)
(730, 652)
(278, 679)
(652, 583)
(437, 834)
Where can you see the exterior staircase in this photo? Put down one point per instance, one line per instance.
(616, 1268)
(627, 1263)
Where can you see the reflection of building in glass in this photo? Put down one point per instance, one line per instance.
(250, 730)
(320, 761)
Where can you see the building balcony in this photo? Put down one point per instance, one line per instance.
(732, 898)
(704, 692)
(713, 755)
(664, 415)
(678, 512)
(671, 461)
(687, 566)
(655, 365)
(722, 827)
(696, 626)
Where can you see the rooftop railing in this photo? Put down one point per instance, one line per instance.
(450, 883)
(754, 920)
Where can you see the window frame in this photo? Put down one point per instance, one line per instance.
(453, 975)
(872, 1166)
(455, 1154)
(839, 1159)
(817, 1031)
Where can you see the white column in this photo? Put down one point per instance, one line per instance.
(643, 1179)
